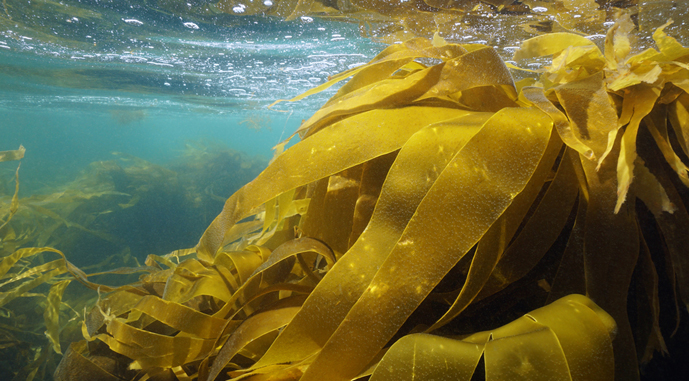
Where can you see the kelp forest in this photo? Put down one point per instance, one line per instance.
(446, 214)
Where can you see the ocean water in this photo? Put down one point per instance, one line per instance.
(153, 85)
(88, 86)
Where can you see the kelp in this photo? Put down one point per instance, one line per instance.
(437, 220)
(403, 20)
(570, 338)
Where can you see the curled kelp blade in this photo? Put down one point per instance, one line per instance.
(384, 64)
(320, 156)
(568, 339)
(455, 74)
(416, 168)
(494, 243)
(423, 255)
(272, 272)
(585, 80)
(260, 324)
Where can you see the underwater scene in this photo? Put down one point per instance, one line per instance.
(344, 190)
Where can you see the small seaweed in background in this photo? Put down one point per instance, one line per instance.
(114, 213)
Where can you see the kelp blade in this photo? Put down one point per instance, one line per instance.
(420, 161)
(487, 186)
(568, 339)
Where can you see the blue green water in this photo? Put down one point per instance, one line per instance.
(88, 85)
(145, 82)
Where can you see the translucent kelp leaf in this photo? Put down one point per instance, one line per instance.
(150, 349)
(17, 154)
(549, 44)
(394, 58)
(373, 176)
(244, 262)
(51, 313)
(648, 73)
(657, 125)
(382, 66)
(393, 293)
(611, 249)
(320, 156)
(673, 227)
(387, 93)
(590, 110)
(428, 357)
(617, 44)
(191, 279)
(536, 96)
(261, 275)
(14, 204)
(9, 261)
(585, 333)
(416, 168)
(480, 67)
(669, 47)
(333, 200)
(27, 286)
(251, 329)
(643, 99)
(568, 339)
(493, 244)
(180, 317)
(537, 356)
(116, 303)
(29, 272)
(570, 273)
(538, 234)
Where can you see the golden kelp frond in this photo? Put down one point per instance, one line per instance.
(425, 220)
(568, 339)
(589, 82)
(17, 154)
(177, 316)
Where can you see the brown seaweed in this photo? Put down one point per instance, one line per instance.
(427, 208)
